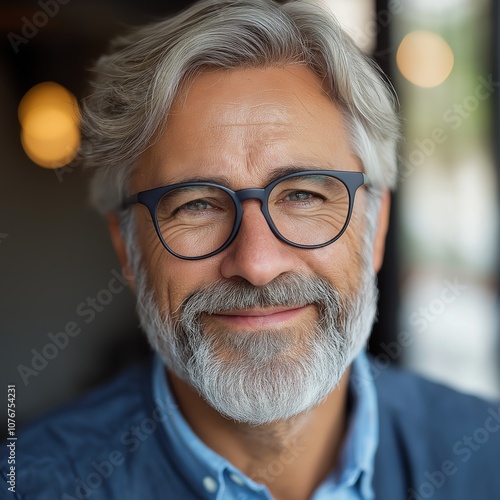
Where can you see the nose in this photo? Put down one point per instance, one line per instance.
(256, 254)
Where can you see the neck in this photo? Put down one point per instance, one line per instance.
(291, 457)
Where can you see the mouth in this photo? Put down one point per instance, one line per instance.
(269, 317)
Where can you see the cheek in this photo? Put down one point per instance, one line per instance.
(156, 261)
(151, 247)
(172, 279)
(178, 279)
(340, 263)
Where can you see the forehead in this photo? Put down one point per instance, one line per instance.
(242, 124)
(251, 90)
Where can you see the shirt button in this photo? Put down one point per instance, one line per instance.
(210, 484)
(236, 479)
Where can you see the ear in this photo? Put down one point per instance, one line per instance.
(120, 249)
(381, 232)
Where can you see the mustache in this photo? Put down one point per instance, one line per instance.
(286, 290)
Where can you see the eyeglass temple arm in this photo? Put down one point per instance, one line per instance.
(366, 181)
(129, 200)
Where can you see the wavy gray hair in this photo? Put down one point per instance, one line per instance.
(136, 83)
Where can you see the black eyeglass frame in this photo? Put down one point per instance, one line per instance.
(151, 197)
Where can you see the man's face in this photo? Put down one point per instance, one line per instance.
(237, 128)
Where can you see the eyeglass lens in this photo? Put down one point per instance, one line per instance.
(306, 210)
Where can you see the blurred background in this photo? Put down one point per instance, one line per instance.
(67, 322)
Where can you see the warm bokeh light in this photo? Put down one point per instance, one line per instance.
(50, 137)
(424, 59)
(49, 119)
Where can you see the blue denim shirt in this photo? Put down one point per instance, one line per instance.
(218, 479)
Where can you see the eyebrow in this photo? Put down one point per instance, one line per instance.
(274, 175)
(291, 169)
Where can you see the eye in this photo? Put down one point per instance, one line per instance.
(200, 207)
(196, 205)
(194, 202)
(300, 196)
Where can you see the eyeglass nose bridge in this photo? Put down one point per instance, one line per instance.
(260, 194)
(251, 194)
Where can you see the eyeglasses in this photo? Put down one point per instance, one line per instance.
(306, 209)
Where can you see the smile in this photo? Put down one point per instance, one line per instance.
(269, 317)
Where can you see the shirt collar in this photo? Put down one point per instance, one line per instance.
(207, 470)
(358, 455)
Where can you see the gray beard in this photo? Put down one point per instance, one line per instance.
(268, 375)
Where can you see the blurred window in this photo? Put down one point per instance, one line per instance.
(448, 203)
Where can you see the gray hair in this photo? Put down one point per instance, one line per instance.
(136, 83)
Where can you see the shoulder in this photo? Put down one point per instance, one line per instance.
(435, 439)
(428, 403)
(71, 449)
(100, 412)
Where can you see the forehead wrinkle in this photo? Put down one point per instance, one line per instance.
(265, 113)
(246, 124)
(274, 117)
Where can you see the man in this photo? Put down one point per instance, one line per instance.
(244, 152)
